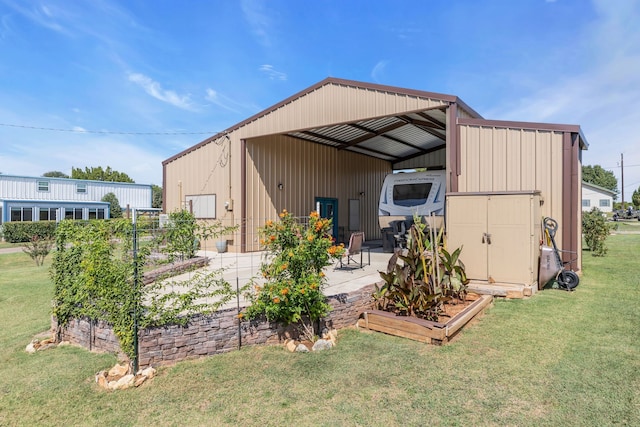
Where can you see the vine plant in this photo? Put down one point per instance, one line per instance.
(93, 275)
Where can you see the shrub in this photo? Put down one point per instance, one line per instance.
(595, 231)
(296, 256)
(181, 235)
(115, 210)
(20, 232)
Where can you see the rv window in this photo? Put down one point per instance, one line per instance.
(411, 194)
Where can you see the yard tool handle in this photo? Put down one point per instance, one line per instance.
(551, 225)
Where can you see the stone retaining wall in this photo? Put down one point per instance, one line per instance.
(208, 335)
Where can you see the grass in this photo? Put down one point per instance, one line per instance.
(555, 359)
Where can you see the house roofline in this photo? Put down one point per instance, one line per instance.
(451, 99)
(597, 187)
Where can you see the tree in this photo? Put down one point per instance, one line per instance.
(598, 176)
(99, 174)
(156, 200)
(55, 174)
(635, 199)
(116, 210)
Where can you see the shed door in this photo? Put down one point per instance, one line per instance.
(509, 226)
(466, 226)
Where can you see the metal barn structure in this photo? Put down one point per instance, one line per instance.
(330, 146)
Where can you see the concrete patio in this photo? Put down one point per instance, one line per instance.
(241, 268)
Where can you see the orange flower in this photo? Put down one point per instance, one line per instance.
(240, 315)
(313, 286)
(269, 223)
(310, 238)
(272, 238)
(276, 300)
(290, 254)
(321, 274)
(284, 291)
(314, 214)
(302, 291)
(284, 266)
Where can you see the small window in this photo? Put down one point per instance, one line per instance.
(77, 213)
(21, 214)
(48, 214)
(100, 213)
(605, 203)
(81, 188)
(43, 186)
(411, 194)
(586, 203)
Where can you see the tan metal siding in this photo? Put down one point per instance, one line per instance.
(462, 113)
(361, 174)
(433, 159)
(331, 104)
(505, 159)
(307, 171)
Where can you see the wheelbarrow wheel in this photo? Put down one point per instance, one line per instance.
(569, 280)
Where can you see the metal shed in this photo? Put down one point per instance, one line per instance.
(331, 145)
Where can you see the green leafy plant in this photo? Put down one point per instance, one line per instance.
(295, 256)
(181, 235)
(96, 276)
(422, 277)
(20, 232)
(38, 249)
(595, 231)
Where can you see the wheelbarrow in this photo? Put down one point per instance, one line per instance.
(552, 268)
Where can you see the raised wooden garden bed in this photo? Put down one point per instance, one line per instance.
(420, 329)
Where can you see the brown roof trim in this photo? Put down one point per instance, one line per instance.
(327, 81)
(528, 125)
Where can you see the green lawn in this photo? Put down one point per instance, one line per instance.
(555, 359)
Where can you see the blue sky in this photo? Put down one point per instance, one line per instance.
(187, 69)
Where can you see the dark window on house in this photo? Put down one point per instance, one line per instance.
(605, 203)
(81, 188)
(586, 203)
(43, 186)
(68, 214)
(48, 214)
(21, 214)
(77, 213)
(95, 213)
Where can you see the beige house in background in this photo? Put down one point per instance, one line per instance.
(330, 146)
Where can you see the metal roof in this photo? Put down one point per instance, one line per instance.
(392, 138)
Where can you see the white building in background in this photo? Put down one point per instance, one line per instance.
(594, 196)
(24, 198)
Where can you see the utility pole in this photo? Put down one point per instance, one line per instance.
(622, 176)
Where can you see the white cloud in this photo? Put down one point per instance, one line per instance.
(154, 89)
(258, 20)
(42, 16)
(272, 73)
(602, 97)
(378, 71)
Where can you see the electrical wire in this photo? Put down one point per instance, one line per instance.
(105, 132)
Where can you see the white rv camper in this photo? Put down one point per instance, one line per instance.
(406, 194)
